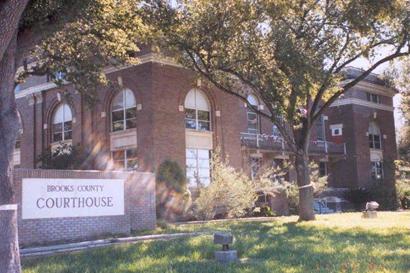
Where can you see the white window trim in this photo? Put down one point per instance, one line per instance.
(334, 127)
(63, 140)
(123, 109)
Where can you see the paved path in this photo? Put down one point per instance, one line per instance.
(64, 248)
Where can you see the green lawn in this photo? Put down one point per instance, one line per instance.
(333, 243)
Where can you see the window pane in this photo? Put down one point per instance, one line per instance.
(203, 172)
(371, 141)
(203, 163)
(190, 124)
(67, 135)
(68, 126)
(118, 102)
(117, 115)
(129, 98)
(119, 164)
(57, 137)
(131, 113)
(204, 125)
(57, 128)
(131, 153)
(132, 164)
(118, 126)
(118, 155)
(191, 163)
(190, 172)
(203, 115)
(203, 154)
(190, 113)
(131, 123)
(191, 153)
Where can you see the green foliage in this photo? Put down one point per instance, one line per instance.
(63, 157)
(403, 192)
(81, 40)
(172, 175)
(172, 197)
(230, 194)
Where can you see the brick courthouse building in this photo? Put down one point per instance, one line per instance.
(164, 112)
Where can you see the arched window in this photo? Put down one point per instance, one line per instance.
(253, 118)
(62, 123)
(124, 111)
(374, 136)
(197, 111)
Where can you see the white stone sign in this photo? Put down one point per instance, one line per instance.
(58, 197)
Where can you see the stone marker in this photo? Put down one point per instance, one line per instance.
(370, 211)
(225, 255)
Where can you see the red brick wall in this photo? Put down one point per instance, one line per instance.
(139, 209)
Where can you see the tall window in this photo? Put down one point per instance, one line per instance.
(374, 136)
(198, 167)
(320, 129)
(373, 98)
(253, 118)
(62, 123)
(197, 111)
(124, 111)
(125, 159)
(377, 169)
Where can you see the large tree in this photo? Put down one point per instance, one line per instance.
(76, 37)
(291, 54)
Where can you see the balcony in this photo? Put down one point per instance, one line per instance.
(277, 144)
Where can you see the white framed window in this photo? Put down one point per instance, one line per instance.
(197, 111)
(125, 159)
(377, 169)
(198, 168)
(62, 123)
(123, 111)
(373, 98)
(374, 136)
(336, 129)
(252, 116)
(320, 129)
(322, 168)
(256, 164)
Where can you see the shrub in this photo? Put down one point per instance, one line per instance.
(172, 197)
(403, 192)
(63, 157)
(231, 193)
(171, 174)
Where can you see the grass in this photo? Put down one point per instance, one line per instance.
(333, 243)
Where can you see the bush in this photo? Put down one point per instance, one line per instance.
(63, 157)
(172, 197)
(403, 192)
(231, 193)
(171, 174)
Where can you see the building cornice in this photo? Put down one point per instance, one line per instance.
(355, 101)
(147, 58)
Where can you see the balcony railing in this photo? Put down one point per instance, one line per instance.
(276, 143)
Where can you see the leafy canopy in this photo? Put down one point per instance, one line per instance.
(81, 38)
(290, 53)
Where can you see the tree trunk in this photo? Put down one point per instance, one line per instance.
(306, 212)
(9, 127)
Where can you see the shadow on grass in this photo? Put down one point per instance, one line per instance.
(267, 247)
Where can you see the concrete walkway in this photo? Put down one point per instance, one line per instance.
(71, 247)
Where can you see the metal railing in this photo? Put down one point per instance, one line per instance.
(277, 143)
